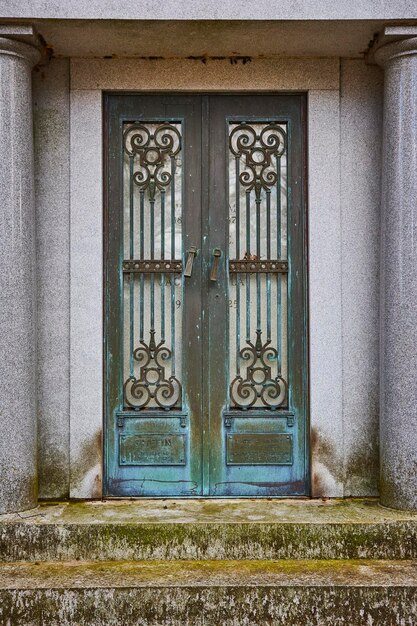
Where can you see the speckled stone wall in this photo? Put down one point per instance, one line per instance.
(52, 174)
(361, 100)
(399, 276)
(18, 467)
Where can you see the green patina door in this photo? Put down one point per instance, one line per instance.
(205, 312)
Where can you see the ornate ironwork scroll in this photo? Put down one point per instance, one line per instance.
(258, 383)
(257, 148)
(152, 383)
(154, 148)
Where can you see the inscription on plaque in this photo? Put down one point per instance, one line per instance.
(160, 449)
(259, 449)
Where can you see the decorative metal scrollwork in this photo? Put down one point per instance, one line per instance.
(154, 148)
(257, 149)
(152, 383)
(258, 387)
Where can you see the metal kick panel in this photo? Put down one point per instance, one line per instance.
(259, 449)
(157, 449)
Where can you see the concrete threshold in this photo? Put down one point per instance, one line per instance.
(217, 511)
(208, 529)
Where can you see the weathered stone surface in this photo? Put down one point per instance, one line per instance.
(86, 295)
(52, 172)
(325, 295)
(207, 38)
(18, 483)
(215, 10)
(202, 529)
(361, 95)
(209, 593)
(219, 74)
(398, 428)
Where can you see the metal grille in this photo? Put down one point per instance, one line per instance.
(152, 265)
(258, 265)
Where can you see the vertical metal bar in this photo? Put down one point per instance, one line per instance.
(278, 207)
(268, 224)
(268, 256)
(142, 224)
(152, 277)
(237, 231)
(141, 313)
(279, 342)
(258, 256)
(172, 186)
(152, 217)
(131, 254)
(173, 324)
(268, 306)
(237, 195)
(163, 257)
(172, 207)
(248, 252)
(163, 224)
(131, 207)
(142, 256)
(162, 307)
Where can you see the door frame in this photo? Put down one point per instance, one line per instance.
(205, 295)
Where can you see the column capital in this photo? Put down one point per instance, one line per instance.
(18, 49)
(395, 42)
(21, 40)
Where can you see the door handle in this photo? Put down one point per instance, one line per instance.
(192, 252)
(215, 267)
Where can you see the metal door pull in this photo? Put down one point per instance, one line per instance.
(215, 268)
(192, 252)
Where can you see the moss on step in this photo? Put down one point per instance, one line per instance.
(209, 594)
(95, 574)
(197, 529)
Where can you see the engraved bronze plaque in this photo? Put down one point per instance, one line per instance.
(161, 449)
(259, 449)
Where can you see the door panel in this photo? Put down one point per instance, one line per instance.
(257, 308)
(205, 296)
(153, 434)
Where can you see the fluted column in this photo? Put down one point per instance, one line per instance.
(398, 411)
(18, 446)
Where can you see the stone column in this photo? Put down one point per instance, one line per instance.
(398, 411)
(18, 446)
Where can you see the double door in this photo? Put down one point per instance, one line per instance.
(205, 312)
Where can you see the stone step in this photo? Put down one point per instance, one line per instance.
(207, 529)
(209, 593)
